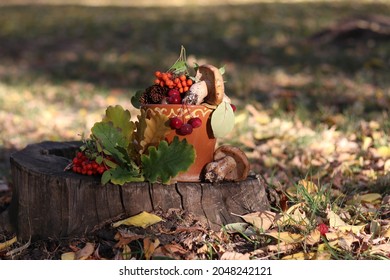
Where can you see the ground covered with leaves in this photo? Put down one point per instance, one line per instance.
(313, 118)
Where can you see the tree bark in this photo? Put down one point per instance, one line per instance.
(50, 202)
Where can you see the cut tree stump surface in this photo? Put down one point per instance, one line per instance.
(50, 202)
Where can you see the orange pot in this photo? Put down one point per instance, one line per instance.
(201, 137)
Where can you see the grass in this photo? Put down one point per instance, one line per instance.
(305, 111)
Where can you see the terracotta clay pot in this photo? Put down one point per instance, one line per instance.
(201, 138)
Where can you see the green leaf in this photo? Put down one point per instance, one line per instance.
(106, 177)
(110, 138)
(99, 159)
(179, 67)
(110, 163)
(120, 119)
(121, 176)
(166, 161)
(135, 99)
(222, 120)
(222, 70)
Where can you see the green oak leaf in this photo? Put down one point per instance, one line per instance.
(167, 160)
(110, 138)
(120, 118)
(120, 176)
(222, 120)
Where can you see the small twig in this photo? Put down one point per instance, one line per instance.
(18, 250)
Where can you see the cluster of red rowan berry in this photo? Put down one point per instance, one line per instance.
(83, 165)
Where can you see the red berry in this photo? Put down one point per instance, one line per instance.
(175, 123)
(185, 129)
(174, 99)
(173, 92)
(195, 122)
(233, 107)
(322, 228)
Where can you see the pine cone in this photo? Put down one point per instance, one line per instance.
(154, 95)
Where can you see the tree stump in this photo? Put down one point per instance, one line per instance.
(50, 202)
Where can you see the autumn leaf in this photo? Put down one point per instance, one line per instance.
(155, 131)
(171, 251)
(222, 120)
(286, 237)
(372, 198)
(260, 220)
(8, 243)
(294, 216)
(381, 249)
(85, 252)
(126, 252)
(125, 237)
(144, 220)
(336, 222)
(235, 227)
(384, 152)
(140, 131)
(68, 256)
(300, 256)
(235, 256)
(149, 246)
(386, 232)
(313, 238)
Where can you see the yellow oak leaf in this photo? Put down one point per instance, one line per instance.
(156, 130)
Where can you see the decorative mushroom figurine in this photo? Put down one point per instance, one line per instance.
(209, 87)
(230, 164)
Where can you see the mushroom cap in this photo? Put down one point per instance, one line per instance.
(214, 81)
(241, 171)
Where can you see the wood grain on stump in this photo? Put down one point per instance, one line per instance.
(50, 202)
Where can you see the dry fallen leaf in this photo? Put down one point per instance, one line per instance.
(235, 256)
(384, 152)
(7, 243)
(386, 232)
(300, 256)
(314, 237)
(294, 216)
(85, 252)
(382, 249)
(286, 237)
(337, 223)
(174, 251)
(68, 256)
(149, 246)
(260, 220)
(126, 252)
(144, 219)
(372, 198)
(346, 241)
